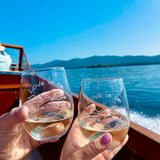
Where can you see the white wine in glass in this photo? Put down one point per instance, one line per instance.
(47, 95)
(103, 108)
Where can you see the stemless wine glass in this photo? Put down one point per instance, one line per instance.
(103, 107)
(47, 95)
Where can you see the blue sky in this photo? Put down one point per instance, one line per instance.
(66, 29)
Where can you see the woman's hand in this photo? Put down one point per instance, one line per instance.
(95, 150)
(15, 142)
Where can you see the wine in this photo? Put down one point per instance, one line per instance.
(49, 127)
(47, 95)
(117, 125)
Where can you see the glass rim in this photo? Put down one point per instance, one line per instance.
(42, 69)
(102, 79)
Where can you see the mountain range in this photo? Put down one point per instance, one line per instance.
(102, 61)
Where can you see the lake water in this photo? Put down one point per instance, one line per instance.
(142, 86)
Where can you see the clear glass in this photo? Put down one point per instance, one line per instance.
(47, 95)
(103, 107)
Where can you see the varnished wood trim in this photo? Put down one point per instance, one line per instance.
(11, 46)
(10, 86)
(141, 140)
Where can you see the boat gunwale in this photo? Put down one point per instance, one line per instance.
(146, 132)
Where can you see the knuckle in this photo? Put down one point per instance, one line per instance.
(94, 146)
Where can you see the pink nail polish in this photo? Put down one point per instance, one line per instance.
(106, 138)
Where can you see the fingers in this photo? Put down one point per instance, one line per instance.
(91, 108)
(38, 143)
(88, 111)
(14, 117)
(45, 97)
(117, 149)
(95, 147)
(53, 106)
(52, 130)
(50, 109)
(109, 154)
(105, 112)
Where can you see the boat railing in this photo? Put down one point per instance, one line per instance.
(17, 67)
(142, 141)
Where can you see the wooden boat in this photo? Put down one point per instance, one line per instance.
(143, 144)
(10, 80)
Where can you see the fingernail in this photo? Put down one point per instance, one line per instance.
(106, 138)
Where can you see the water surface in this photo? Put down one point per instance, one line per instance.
(142, 86)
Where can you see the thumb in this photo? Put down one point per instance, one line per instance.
(97, 146)
(15, 116)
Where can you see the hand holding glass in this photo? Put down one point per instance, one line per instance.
(47, 95)
(103, 107)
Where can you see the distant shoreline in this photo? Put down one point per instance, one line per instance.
(102, 61)
(118, 65)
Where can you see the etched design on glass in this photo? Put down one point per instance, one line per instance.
(49, 102)
(116, 98)
(108, 95)
(60, 85)
(55, 97)
(35, 86)
(99, 109)
(114, 108)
